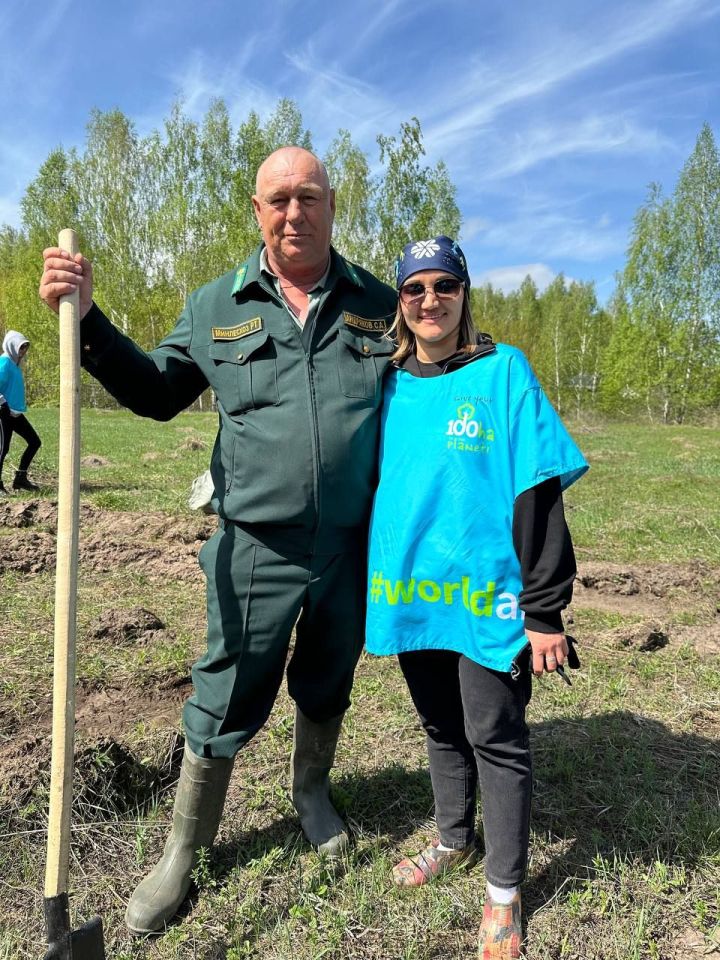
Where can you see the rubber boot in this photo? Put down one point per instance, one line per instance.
(312, 758)
(21, 481)
(199, 803)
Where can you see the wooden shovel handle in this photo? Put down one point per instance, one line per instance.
(63, 720)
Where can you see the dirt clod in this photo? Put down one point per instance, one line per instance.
(154, 544)
(32, 552)
(690, 943)
(193, 443)
(27, 513)
(652, 580)
(645, 636)
(623, 582)
(120, 627)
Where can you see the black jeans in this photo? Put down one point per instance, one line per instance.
(21, 426)
(474, 719)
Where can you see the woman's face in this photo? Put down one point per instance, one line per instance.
(22, 350)
(434, 317)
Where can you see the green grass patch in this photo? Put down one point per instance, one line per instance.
(625, 831)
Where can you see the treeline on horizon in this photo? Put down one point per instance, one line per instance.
(161, 215)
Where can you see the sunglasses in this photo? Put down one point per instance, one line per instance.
(447, 288)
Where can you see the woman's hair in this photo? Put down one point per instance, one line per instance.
(404, 338)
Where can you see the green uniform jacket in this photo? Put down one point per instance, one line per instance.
(294, 462)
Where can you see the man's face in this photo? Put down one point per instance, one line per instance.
(295, 208)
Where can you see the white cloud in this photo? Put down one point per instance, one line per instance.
(554, 235)
(593, 134)
(200, 80)
(510, 278)
(485, 88)
(472, 227)
(348, 102)
(389, 12)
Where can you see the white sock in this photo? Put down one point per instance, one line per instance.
(441, 846)
(502, 895)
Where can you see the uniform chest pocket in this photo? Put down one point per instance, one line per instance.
(361, 363)
(245, 373)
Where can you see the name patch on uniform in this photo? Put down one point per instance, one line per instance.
(376, 326)
(241, 330)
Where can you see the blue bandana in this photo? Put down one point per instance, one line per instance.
(442, 253)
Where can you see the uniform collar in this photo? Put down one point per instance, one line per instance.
(250, 272)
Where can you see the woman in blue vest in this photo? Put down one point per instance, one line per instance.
(12, 410)
(470, 567)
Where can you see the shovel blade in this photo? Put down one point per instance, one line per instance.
(86, 943)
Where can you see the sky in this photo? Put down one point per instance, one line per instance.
(553, 118)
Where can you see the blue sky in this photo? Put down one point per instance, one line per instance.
(552, 117)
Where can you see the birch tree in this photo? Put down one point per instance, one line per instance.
(413, 201)
(355, 216)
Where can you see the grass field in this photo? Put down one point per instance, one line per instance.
(625, 843)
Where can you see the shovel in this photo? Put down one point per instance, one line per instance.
(86, 943)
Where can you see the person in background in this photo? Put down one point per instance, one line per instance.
(293, 344)
(12, 410)
(470, 566)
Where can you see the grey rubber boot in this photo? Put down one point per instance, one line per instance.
(312, 758)
(199, 803)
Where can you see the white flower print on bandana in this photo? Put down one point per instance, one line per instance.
(424, 248)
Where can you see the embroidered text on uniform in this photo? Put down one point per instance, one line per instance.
(375, 326)
(241, 330)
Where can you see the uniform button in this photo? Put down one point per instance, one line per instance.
(240, 356)
(366, 349)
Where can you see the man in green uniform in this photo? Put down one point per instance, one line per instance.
(292, 345)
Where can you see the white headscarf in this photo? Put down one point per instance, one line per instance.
(12, 343)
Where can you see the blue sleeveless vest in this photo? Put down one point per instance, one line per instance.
(455, 452)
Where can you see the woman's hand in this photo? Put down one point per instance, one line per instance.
(549, 651)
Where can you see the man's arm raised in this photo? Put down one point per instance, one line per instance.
(158, 384)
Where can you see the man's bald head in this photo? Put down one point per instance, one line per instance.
(286, 159)
(295, 208)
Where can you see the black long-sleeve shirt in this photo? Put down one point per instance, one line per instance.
(540, 534)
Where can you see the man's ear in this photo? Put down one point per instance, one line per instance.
(256, 207)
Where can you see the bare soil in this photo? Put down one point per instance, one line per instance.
(119, 773)
(165, 547)
(655, 594)
(153, 544)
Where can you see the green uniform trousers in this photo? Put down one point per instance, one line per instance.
(255, 596)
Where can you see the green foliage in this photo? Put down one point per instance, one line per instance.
(161, 215)
(625, 832)
(654, 351)
(671, 285)
(412, 200)
(562, 331)
(355, 217)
